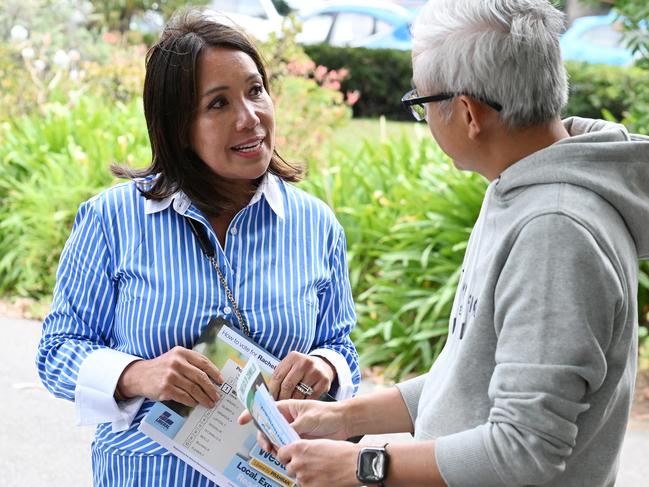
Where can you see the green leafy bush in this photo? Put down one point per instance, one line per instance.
(598, 88)
(407, 213)
(637, 116)
(50, 163)
(643, 313)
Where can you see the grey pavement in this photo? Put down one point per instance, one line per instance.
(41, 446)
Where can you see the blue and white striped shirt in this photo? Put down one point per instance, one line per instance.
(132, 282)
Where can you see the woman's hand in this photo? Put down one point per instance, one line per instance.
(312, 370)
(180, 374)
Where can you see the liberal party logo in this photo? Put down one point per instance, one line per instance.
(165, 420)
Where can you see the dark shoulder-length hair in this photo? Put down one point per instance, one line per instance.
(170, 103)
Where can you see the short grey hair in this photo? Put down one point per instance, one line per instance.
(506, 51)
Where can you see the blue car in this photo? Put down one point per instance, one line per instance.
(597, 39)
(372, 24)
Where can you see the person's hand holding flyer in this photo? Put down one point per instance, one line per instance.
(253, 393)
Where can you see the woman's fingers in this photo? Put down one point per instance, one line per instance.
(202, 363)
(278, 376)
(201, 380)
(288, 388)
(320, 386)
(180, 388)
(205, 395)
(182, 397)
(179, 374)
(318, 381)
(192, 373)
(295, 368)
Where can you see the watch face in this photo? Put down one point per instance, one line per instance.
(371, 465)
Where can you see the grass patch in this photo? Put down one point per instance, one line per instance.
(351, 135)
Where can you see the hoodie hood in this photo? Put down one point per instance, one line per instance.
(601, 157)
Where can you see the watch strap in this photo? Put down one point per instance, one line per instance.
(387, 465)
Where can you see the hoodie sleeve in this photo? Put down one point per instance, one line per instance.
(556, 301)
(411, 392)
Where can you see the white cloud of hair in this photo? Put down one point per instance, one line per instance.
(506, 51)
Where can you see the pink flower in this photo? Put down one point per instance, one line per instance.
(320, 73)
(298, 68)
(110, 37)
(332, 84)
(353, 97)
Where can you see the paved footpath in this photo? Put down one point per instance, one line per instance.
(40, 446)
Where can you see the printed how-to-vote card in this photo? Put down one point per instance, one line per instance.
(253, 393)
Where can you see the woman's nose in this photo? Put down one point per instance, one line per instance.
(247, 116)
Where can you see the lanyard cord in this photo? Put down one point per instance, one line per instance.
(208, 250)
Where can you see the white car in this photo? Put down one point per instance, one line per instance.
(358, 23)
(257, 17)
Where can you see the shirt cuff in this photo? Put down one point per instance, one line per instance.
(343, 372)
(94, 394)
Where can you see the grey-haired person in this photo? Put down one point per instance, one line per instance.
(535, 382)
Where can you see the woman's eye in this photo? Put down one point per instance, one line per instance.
(257, 90)
(217, 103)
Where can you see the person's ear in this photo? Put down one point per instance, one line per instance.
(472, 116)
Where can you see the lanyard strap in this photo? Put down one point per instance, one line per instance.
(208, 250)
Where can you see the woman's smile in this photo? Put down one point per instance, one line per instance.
(250, 148)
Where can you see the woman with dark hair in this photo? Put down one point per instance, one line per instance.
(135, 289)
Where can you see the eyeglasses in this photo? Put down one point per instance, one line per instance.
(416, 103)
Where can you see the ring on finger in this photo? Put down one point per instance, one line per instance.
(304, 389)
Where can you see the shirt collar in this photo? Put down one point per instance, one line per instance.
(269, 188)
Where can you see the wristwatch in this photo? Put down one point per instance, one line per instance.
(372, 465)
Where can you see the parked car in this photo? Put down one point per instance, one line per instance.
(414, 5)
(596, 39)
(373, 24)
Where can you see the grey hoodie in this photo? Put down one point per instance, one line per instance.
(535, 382)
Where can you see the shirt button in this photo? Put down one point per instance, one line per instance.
(234, 230)
(227, 310)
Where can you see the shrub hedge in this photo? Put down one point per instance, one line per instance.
(384, 75)
(407, 214)
(381, 75)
